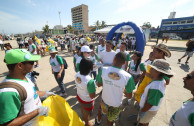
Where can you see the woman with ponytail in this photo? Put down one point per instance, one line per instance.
(136, 68)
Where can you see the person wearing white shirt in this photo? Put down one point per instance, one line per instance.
(133, 42)
(114, 81)
(123, 49)
(107, 56)
(101, 47)
(184, 116)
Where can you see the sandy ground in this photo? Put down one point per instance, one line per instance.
(174, 97)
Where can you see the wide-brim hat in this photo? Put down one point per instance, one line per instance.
(163, 48)
(52, 50)
(162, 66)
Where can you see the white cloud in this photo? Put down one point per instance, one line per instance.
(128, 5)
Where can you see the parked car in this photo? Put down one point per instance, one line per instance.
(176, 38)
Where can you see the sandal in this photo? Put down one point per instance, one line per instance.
(186, 62)
(179, 60)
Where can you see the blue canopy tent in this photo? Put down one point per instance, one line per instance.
(140, 37)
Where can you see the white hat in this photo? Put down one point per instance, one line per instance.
(162, 66)
(85, 49)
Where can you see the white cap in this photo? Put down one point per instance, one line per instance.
(85, 49)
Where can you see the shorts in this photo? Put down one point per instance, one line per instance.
(147, 117)
(87, 107)
(113, 112)
(190, 54)
(73, 47)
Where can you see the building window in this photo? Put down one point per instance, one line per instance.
(189, 21)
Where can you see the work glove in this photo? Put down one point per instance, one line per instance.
(43, 111)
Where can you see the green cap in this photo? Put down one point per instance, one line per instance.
(19, 55)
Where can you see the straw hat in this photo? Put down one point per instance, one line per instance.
(162, 66)
(163, 48)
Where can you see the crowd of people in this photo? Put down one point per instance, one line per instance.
(108, 65)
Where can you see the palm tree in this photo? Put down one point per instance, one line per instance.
(45, 29)
(147, 24)
(70, 29)
(97, 24)
(103, 24)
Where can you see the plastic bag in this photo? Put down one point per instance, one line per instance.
(60, 113)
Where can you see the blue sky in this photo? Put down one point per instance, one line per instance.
(22, 16)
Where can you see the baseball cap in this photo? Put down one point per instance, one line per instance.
(85, 49)
(19, 55)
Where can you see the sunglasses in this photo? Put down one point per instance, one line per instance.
(189, 76)
(29, 62)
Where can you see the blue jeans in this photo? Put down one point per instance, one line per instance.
(60, 80)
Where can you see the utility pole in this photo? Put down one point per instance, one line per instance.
(59, 16)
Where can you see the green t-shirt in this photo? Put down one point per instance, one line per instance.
(74, 60)
(130, 85)
(154, 97)
(59, 59)
(10, 106)
(98, 77)
(33, 46)
(128, 57)
(91, 86)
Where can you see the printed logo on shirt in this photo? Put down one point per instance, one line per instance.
(35, 93)
(53, 64)
(114, 76)
(78, 79)
(101, 50)
(133, 68)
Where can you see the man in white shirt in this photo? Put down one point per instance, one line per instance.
(115, 82)
(101, 47)
(123, 47)
(20, 62)
(107, 56)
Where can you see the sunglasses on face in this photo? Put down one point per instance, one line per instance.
(29, 62)
(189, 76)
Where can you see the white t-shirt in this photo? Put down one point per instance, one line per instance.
(85, 85)
(133, 42)
(140, 68)
(114, 43)
(153, 88)
(25, 41)
(107, 57)
(128, 57)
(114, 81)
(184, 115)
(119, 44)
(61, 41)
(31, 48)
(82, 40)
(32, 101)
(56, 66)
(147, 62)
(1, 42)
(100, 48)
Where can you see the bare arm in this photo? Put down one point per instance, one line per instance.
(146, 107)
(128, 95)
(41, 93)
(92, 95)
(126, 65)
(22, 119)
(142, 75)
(99, 84)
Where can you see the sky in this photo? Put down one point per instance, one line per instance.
(22, 16)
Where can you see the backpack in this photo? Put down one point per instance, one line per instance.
(64, 61)
(22, 93)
